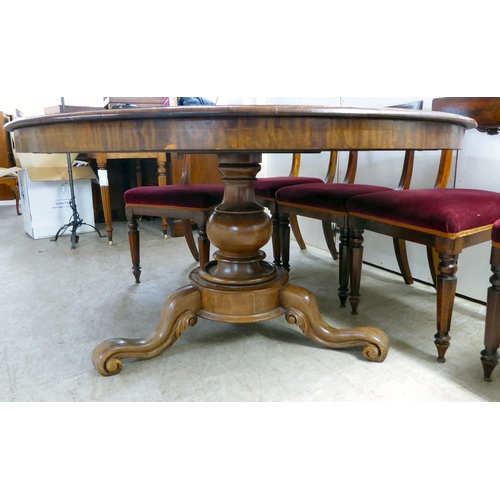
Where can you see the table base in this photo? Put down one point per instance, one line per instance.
(238, 304)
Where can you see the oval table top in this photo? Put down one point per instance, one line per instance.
(241, 129)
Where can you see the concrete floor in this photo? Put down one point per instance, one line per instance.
(58, 304)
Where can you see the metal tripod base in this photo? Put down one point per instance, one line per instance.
(74, 238)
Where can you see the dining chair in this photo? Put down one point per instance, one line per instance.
(327, 203)
(404, 183)
(444, 220)
(490, 355)
(265, 194)
(185, 201)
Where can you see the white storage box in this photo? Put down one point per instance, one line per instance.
(45, 194)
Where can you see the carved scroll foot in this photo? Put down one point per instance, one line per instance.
(179, 312)
(302, 310)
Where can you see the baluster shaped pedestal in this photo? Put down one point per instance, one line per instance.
(239, 285)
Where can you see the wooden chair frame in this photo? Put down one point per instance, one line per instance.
(443, 252)
(201, 254)
(448, 251)
(272, 206)
(199, 251)
(490, 356)
(340, 221)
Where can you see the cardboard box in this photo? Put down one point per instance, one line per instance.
(45, 195)
(42, 160)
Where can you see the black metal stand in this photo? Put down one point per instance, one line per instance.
(75, 221)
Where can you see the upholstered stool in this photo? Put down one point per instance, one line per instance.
(185, 202)
(490, 356)
(445, 220)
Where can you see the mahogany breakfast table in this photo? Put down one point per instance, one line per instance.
(239, 285)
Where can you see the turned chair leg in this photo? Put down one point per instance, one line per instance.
(343, 266)
(284, 225)
(355, 266)
(446, 289)
(293, 224)
(490, 356)
(133, 238)
(203, 244)
(276, 238)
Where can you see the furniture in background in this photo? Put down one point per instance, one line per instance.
(485, 110)
(184, 201)
(203, 169)
(444, 220)
(239, 286)
(8, 184)
(327, 203)
(265, 192)
(102, 163)
(404, 183)
(163, 160)
(137, 102)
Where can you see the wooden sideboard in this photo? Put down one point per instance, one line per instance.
(6, 156)
(8, 185)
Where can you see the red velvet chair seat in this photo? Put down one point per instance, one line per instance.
(443, 212)
(324, 197)
(186, 197)
(495, 234)
(267, 188)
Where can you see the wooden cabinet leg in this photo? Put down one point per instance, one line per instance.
(163, 181)
(105, 197)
